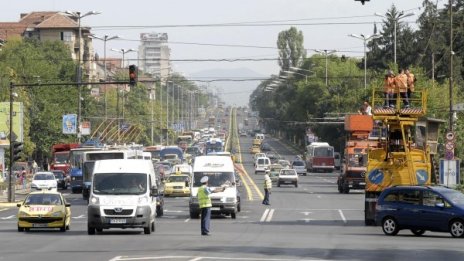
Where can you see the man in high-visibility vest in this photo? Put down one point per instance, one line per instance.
(267, 188)
(204, 202)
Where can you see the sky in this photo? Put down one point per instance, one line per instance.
(315, 18)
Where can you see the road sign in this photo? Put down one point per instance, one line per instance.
(449, 155)
(450, 136)
(449, 145)
(449, 172)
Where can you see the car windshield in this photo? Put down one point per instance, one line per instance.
(58, 175)
(456, 197)
(357, 160)
(61, 158)
(44, 177)
(43, 199)
(215, 179)
(177, 178)
(120, 183)
(298, 163)
(287, 172)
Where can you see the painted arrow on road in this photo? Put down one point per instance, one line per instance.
(79, 217)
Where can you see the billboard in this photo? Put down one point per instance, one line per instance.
(18, 116)
(70, 124)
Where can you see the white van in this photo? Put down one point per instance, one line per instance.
(259, 136)
(123, 195)
(261, 164)
(220, 171)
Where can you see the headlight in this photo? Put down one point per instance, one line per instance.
(143, 200)
(57, 214)
(94, 200)
(73, 178)
(23, 214)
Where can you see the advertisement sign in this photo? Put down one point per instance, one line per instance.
(69, 124)
(449, 172)
(18, 113)
(85, 128)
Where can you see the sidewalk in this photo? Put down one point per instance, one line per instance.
(20, 194)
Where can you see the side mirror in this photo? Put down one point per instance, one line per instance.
(18, 205)
(154, 192)
(67, 205)
(440, 205)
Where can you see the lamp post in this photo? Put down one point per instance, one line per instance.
(123, 52)
(366, 39)
(11, 188)
(396, 20)
(78, 16)
(105, 39)
(326, 53)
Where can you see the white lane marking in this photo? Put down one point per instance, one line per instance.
(306, 213)
(187, 220)
(9, 217)
(3, 209)
(65, 194)
(263, 217)
(79, 217)
(121, 258)
(269, 217)
(306, 220)
(341, 215)
(196, 258)
(173, 211)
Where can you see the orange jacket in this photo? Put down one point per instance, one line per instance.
(389, 84)
(401, 82)
(411, 80)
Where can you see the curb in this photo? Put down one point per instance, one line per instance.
(9, 204)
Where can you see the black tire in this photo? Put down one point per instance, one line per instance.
(239, 208)
(63, 228)
(418, 232)
(91, 230)
(278, 184)
(147, 230)
(305, 174)
(159, 211)
(27, 229)
(153, 227)
(233, 215)
(99, 230)
(296, 184)
(194, 215)
(390, 226)
(20, 229)
(457, 228)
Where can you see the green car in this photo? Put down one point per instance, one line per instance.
(274, 170)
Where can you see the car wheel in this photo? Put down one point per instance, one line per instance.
(159, 211)
(457, 228)
(27, 229)
(390, 226)
(296, 184)
(147, 230)
(233, 215)
(238, 207)
(153, 227)
(91, 230)
(20, 229)
(305, 174)
(418, 232)
(63, 228)
(99, 230)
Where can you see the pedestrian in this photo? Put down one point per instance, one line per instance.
(204, 202)
(389, 89)
(267, 189)
(411, 79)
(401, 82)
(367, 108)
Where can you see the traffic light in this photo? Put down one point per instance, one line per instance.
(132, 75)
(17, 149)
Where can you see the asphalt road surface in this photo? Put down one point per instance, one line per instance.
(311, 222)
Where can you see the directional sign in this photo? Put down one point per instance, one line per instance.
(458, 107)
(449, 145)
(449, 155)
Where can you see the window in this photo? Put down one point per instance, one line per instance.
(409, 197)
(430, 198)
(66, 36)
(391, 197)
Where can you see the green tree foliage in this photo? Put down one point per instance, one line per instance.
(291, 48)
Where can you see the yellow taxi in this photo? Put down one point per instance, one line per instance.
(255, 149)
(44, 209)
(177, 185)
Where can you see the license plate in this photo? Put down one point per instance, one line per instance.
(117, 221)
(362, 183)
(40, 225)
(215, 209)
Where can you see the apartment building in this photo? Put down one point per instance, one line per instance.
(154, 55)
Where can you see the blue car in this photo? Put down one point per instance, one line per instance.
(417, 208)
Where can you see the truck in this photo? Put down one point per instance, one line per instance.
(358, 142)
(399, 159)
(60, 157)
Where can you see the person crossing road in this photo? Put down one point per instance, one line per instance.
(267, 189)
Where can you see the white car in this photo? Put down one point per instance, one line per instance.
(259, 155)
(299, 166)
(44, 180)
(287, 176)
(262, 164)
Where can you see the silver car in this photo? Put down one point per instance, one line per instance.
(299, 166)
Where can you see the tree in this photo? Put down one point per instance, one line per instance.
(291, 48)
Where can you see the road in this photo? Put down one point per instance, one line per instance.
(311, 222)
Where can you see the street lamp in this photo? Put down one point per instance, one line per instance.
(365, 38)
(105, 39)
(396, 20)
(78, 16)
(326, 53)
(123, 52)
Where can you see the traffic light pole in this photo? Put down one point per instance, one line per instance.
(11, 188)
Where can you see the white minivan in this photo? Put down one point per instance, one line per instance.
(123, 195)
(261, 164)
(220, 171)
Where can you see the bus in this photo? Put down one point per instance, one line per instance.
(320, 157)
(90, 157)
(76, 162)
(214, 145)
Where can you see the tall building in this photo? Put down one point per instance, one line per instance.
(154, 54)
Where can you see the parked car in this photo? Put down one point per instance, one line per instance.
(44, 180)
(60, 178)
(44, 209)
(299, 166)
(287, 176)
(421, 208)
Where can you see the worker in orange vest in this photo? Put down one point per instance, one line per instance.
(401, 82)
(411, 80)
(389, 89)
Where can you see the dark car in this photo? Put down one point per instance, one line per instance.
(60, 178)
(417, 208)
(265, 147)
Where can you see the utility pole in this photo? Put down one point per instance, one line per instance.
(451, 68)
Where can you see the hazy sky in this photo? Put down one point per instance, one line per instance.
(313, 17)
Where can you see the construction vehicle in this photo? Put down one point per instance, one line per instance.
(398, 160)
(358, 141)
